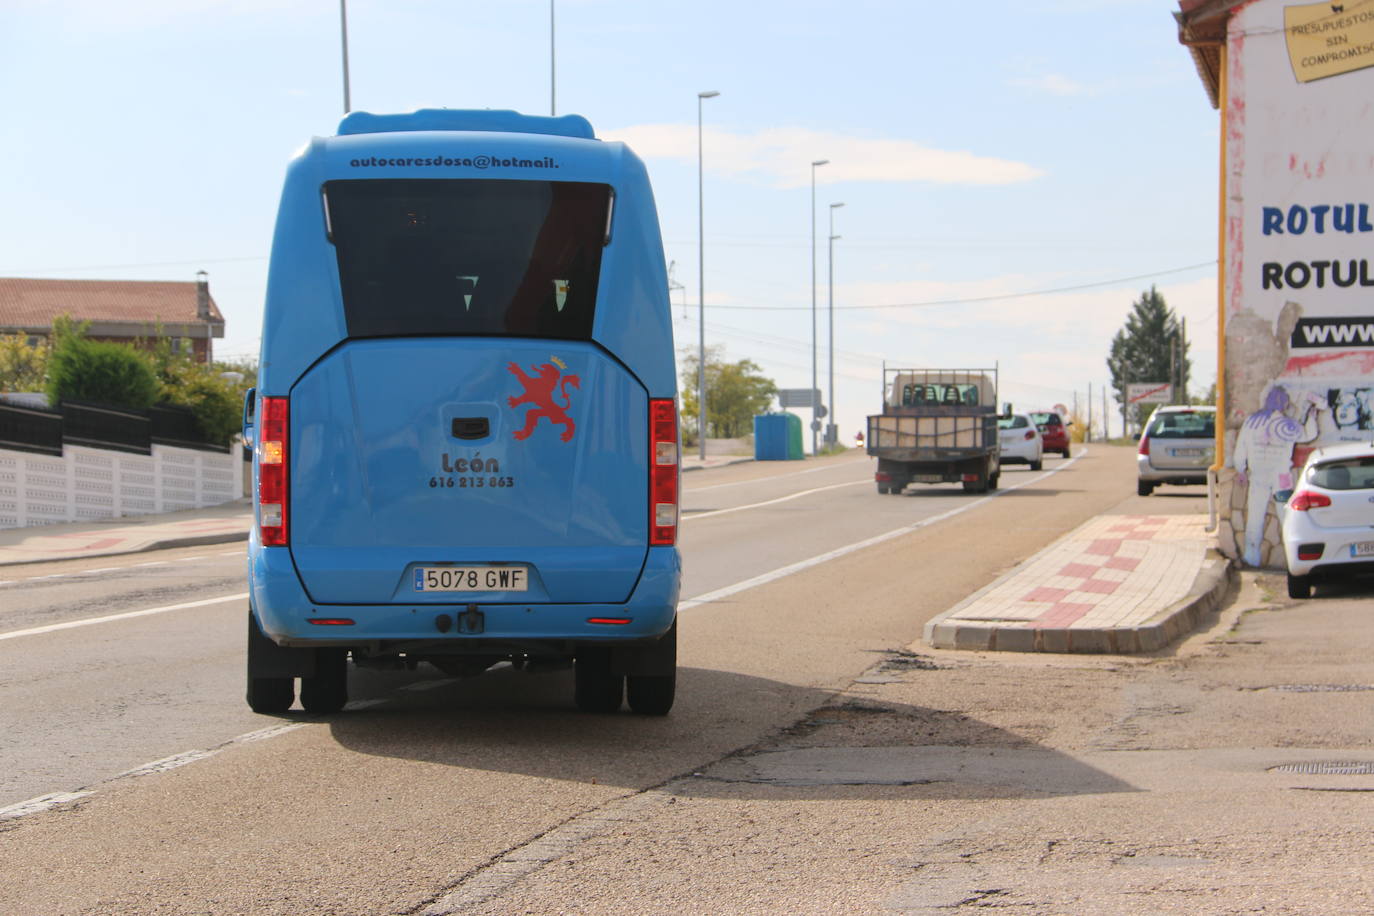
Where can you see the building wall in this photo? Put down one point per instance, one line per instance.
(1299, 272)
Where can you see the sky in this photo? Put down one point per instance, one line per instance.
(1013, 176)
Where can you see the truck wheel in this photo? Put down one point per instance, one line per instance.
(1065, 452)
(1299, 586)
(595, 688)
(651, 694)
(882, 488)
(327, 691)
(1144, 488)
(994, 480)
(266, 695)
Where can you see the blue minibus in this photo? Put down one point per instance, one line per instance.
(465, 428)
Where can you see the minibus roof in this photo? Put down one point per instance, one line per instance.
(495, 120)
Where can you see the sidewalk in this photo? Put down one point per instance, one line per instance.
(1118, 583)
(221, 524)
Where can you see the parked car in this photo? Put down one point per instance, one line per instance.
(1054, 432)
(1328, 520)
(1176, 447)
(1020, 440)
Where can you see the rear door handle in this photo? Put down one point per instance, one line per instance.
(471, 428)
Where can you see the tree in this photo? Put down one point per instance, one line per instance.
(22, 367)
(735, 394)
(1150, 348)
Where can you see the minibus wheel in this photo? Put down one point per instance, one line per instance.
(327, 691)
(595, 687)
(651, 694)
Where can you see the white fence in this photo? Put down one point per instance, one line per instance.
(85, 484)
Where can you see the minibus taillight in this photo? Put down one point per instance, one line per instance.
(663, 472)
(272, 471)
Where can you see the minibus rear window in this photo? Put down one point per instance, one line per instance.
(481, 257)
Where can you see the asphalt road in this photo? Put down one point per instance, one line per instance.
(813, 763)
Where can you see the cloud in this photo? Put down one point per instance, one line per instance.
(783, 156)
(1054, 84)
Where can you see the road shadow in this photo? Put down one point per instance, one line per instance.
(510, 722)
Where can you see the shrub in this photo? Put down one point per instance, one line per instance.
(80, 369)
(216, 404)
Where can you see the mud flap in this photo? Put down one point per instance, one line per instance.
(267, 659)
(655, 658)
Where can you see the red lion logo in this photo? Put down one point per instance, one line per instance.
(539, 392)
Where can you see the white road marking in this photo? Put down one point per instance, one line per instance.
(761, 480)
(838, 552)
(104, 569)
(57, 799)
(148, 612)
(510, 868)
(780, 499)
(41, 803)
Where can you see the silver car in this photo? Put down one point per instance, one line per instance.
(1176, 447)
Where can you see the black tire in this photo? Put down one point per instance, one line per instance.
(882, 488)
(1299, 587)
(267, 696)
(1144, 488)
(651, 695)
(327, 691)
(595, 688)
(995, 480)
(1037, 464)
(271, 696)
(1065, 452)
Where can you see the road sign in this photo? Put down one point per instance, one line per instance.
(799, 397)
(1149, 393)
(815, 426)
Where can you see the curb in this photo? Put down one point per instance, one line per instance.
(723, 464)
(1216, 582)
(200, 540)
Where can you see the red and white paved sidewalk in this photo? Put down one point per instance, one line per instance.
(1119, 583)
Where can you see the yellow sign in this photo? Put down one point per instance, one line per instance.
(1326, 39)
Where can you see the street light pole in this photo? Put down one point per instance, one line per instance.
(815, 420)
(343, 34)
(831, 429)
(701, 285)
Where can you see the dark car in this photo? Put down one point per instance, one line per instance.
(1053, 431)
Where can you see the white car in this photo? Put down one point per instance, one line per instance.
(1020, 440)
(1328, 518)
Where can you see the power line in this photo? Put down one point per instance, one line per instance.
(974, 299)
(200, 261)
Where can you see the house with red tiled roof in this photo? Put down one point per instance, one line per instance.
(125, 311)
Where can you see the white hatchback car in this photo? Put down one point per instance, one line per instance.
(1328, 519)
(1020, 440)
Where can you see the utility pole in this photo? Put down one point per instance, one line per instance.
(1088, 433)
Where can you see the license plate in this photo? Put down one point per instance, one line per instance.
(928, 478)
(1362, 549)
(1186, 452)
(472, 579)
